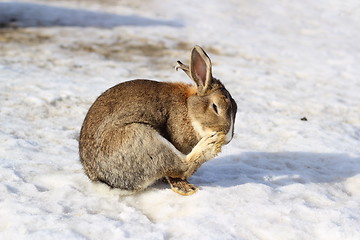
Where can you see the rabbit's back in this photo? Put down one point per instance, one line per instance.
(128, 102)
(160, 105)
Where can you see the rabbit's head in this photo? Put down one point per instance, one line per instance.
(211, 109)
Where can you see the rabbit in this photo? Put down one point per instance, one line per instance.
(141, 131)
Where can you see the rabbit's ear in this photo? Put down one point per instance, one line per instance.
(200, 69)
(184, 67)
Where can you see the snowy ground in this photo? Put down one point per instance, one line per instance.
(280, 178)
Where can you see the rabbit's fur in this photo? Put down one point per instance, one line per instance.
(140, 131)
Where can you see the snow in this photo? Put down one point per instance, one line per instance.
(279, 178)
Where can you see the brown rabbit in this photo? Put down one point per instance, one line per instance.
(142, 130)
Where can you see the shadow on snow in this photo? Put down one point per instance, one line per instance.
(276, 169)
(35, 15)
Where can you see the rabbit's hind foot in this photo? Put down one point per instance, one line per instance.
(181, 186)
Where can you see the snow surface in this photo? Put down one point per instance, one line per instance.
(280, 177)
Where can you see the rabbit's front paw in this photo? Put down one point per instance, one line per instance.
(211, 144)
(219, 139)
(207, 148)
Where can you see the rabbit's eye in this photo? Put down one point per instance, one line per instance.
(215, 108)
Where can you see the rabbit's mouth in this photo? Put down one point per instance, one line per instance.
(230, 134)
